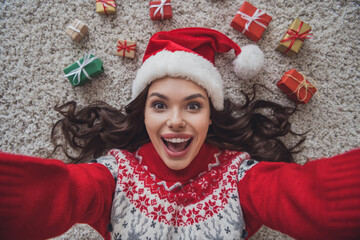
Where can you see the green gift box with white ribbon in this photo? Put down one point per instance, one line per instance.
(83, 70)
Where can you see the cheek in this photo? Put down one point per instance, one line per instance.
(153, 122)
(148, 122)
(202, 126)
(204, 130)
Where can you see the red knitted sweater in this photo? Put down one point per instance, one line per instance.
(41, 198)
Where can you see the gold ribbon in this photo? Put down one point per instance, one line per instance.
(302, 84)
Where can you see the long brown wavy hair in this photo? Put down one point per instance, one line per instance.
(99, 127)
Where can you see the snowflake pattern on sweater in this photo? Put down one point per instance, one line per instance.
(206, 207)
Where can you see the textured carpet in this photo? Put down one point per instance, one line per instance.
(34, 50)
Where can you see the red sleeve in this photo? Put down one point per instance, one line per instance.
(41, 198)
(319, 200)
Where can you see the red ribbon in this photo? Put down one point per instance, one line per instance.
(106, 2)
(122, 46)
(294, 35)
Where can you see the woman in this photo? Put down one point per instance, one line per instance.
(182, 173)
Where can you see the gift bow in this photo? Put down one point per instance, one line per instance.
(107, 3)
(302, 84)
(77, 72)
(254, 18)
(74, 28)
(123, 46)
(295, 34)
(160, 7)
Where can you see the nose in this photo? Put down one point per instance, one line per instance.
(176, 120)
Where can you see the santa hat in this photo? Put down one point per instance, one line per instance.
(189, 53)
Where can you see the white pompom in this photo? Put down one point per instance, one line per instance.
(249, 62)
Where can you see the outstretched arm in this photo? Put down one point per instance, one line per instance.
(41, 198)
(319, 200)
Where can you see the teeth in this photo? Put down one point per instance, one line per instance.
(177, 140)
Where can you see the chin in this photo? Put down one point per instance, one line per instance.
(176, 164)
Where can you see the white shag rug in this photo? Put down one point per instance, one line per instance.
(34, 50)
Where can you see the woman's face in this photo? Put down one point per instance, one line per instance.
(177, 118)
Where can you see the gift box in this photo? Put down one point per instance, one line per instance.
(251, 21)
(297, 86)
(294, 37)
(105, 7)
(77, 30)
(84, 69)
(126, 48)
(160, 10)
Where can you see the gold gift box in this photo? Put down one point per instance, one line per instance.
(77, 30)
(284, 47)
(105, 7)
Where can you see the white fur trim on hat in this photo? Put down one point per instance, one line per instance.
(185, 65)
(249, 62)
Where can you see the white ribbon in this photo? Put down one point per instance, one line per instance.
(74, 28)
(77, 72)
(257, 15)
(160, 7)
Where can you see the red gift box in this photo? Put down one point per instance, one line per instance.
(251, 21)
(296, 86)
(160, 10)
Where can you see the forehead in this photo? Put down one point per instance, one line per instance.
(176, 86)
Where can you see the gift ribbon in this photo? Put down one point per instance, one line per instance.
(160, 7)
(123, 46)
(294, 35)
(106, 3)
(77, 72)
(74, 28)
(254, 18)
(302, 84)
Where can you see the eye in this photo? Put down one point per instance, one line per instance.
(158, 105)
(193, 106)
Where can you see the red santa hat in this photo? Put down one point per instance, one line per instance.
(189, 53)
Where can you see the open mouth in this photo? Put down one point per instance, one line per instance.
(177, 145)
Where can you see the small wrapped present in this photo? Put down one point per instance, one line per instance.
(77, 30)
(105, 7)
(294, 37)
(84, 69)
(297, 86)
(160, 10)
(126, 48)
(251, 21)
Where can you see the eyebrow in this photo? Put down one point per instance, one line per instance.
(197, 95)
(193, 96)
(155, 94)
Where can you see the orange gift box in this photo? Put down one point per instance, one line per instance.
(296, 86)
(160, 10)
(251, 21)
